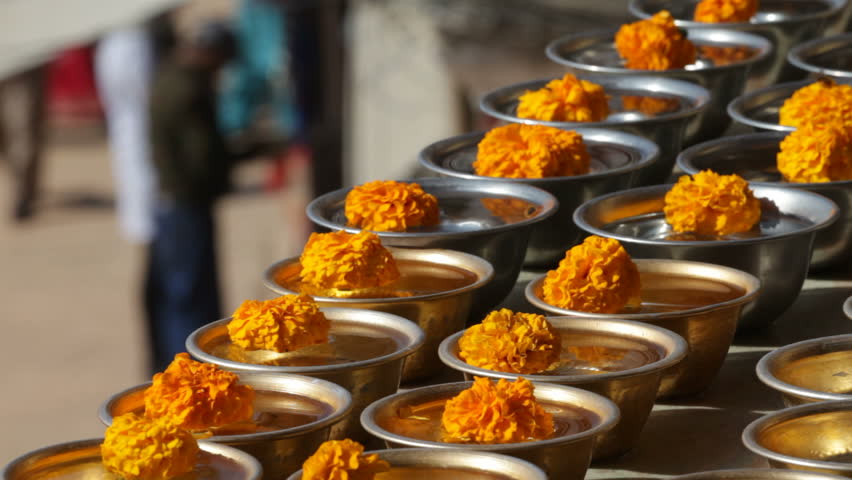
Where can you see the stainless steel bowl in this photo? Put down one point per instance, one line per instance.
(563, 457)
(813, 437)
(617, 159)
(759, 109)
(466, 225)
(785, 23)
(757, 474)
(594, 53)
(753, 157)
(366, 380)
(667, 130)
(825, 57)
(82, 459)
(437, 314)
(281, 452)
(633, 390)
(779, 256)
(847, 307)
(450, 464)
(708, 330)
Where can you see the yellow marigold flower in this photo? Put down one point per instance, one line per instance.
(503, 413)
(342, 460)
(531, 151)
(566, 99)
(506, 341)
(346, 261)
(283, 324)
(711, 204)
(597, 276)
(649, 105)
(817, 154)
(725, 11)
(654, 44)
(136, 447)
(819, 103)
(198, 396)
(388, 206)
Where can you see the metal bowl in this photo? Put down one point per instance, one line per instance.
(82, 459)
(813, 437)
(281, 452)
(810, 371)
(366, 380)
(779, 255)
(759, 109)
(753, 157)
(847, 307)
(594, 53)
(756, 474)
(466, 225)
(667, 130)
(617, 159)
(825, 57)
(437, 314)
(451, 464)
(785, 23)
(565, 457)
(633, 390)
(708, 330)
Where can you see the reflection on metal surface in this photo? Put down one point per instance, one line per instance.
(810, 371)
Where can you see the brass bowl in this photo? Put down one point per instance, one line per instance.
(756, 474)
(564, 457)
(812, 437)
(280, 452)
(366, 380)
(759, 109)
(825, 57)
(82, 459)
(451, 464)
(437, 314)
(814, 370)
(708, 330)
(633, 389)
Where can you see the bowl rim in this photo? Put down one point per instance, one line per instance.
(795, 56)
(649, 154)
(735, 107)
(766, 365)
(413, 333)
(580, 221)
(753, 429)
(634, 7)
(672, 355)
(847, 307)
(756, 473)
(751, 40)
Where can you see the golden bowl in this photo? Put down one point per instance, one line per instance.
(707, 328)
(756, 474)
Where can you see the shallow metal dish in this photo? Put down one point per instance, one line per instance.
(759, 109)
(829, 57)
(757, 474)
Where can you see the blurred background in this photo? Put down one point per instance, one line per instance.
(305, 96)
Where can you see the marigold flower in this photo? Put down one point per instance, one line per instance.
(342, 460)
(346, 261)
(136, 447)
(649, 105)
(817, 154)
(388, 206)
(711, 204)
(597, 276)
(725, 11)
(503, 413)
(654, 44)
(531, 151)
(506, 341)
(819, 103)
(283, 324)
(566, 99)
(198, 396)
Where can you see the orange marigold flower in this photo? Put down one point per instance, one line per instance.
(342, 460)
(566, 99)
(711, 204)
(597, 276)
(136, 447)
(346, 261)
(531, 151)
(198, 396)
(388, 206)
(817, 154)
(503, 413)
(654, 44)
(506, 341)
(283, 324)
(649, 105)
(725, 11)
(819, 103)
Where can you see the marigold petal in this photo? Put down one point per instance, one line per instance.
(389, 206)
(817, 154)
(282, 324)
(654, 44)
(506, 341)
(725, 11)
(341, 460)
(136, 447)
(711, 204)
(531, 151)
(823, 102)
(566, 99)
(341, 260)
